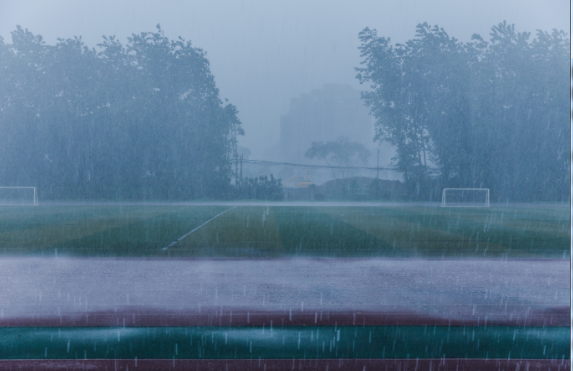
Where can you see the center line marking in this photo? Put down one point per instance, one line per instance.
(187, 234)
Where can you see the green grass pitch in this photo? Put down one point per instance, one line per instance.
(284, 231)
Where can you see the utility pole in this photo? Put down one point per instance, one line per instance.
(236, 171)
(377, 164)
(241, 173)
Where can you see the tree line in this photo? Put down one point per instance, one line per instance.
(137, 121)
(144, 120)
(488, 114)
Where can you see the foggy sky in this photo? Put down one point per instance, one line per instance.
(262, 52)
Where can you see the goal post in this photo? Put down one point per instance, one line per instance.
(465, 197)
(18, 196)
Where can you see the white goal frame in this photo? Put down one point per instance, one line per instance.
(34, 202)
(486, 190)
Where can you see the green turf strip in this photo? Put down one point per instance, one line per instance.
(260, 231)
(285, 342)
(97, 230)
(383, 232)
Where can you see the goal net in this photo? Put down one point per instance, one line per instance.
(465, 197)
(18, 196)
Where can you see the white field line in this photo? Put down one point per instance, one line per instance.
(187, 234)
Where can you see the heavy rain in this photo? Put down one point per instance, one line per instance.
(237, 185)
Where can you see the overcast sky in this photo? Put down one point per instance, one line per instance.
(265, 52)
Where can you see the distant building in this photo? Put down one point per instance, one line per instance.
(323, 115)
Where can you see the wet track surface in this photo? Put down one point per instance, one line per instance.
(37, 289)
(276, 314)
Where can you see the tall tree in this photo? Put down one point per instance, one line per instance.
(485, 114)
(140, 121)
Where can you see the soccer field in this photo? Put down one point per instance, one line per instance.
(267, 306)
(284, 231)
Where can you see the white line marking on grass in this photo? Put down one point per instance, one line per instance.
(187, 234)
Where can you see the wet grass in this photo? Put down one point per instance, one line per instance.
(308, 342)
(385, 231)
(260, 231)
(107, 231)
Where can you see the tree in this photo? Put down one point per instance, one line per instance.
(137, 121)
(341, 153)
(261, 188)
(485, 114)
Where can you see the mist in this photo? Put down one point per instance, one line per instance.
(361, 185)
(263, 54)
(368, 101)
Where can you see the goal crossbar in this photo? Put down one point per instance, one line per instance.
(32, 189)
(484, 204)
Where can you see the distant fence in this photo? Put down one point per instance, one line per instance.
(318, 174)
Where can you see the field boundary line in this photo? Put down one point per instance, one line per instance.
(188, 233)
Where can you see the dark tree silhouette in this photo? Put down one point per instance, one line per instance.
(486, 114)
(136, 121)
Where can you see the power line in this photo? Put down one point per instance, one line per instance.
(262, 162)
